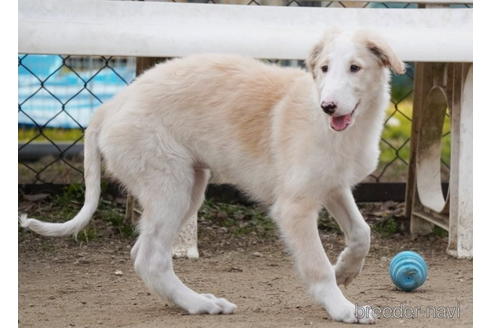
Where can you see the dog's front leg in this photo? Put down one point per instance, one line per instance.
(297, 220)
(342, 206)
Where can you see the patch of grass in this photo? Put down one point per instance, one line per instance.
(68, 203)
(25, 134)
(87, 235)
(387, 227)
(72, 193)
(117, 219)
(238, 219)
(440, 232)
(241, 220)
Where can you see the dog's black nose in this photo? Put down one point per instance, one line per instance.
(329, 107)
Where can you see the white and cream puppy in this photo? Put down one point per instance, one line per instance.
(291, 139)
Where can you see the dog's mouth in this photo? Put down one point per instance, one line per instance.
(340, 123)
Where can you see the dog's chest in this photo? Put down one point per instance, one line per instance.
(347, 163)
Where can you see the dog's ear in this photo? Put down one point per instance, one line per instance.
(385, 54)
(313, 57)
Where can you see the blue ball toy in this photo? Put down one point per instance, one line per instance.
(408, 270)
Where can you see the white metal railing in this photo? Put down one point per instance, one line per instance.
(178, 29)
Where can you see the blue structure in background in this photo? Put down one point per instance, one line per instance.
(53, 93)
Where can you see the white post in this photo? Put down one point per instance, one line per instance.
(461, 182)
(185, 244)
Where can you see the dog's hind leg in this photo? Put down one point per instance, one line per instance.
(297, 221)
(342, 206)
(168, 198)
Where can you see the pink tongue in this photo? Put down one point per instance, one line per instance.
(340, 123)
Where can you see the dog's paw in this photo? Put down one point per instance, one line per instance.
(346, 271)
(225, 306)
(209, 304)
(355, 314)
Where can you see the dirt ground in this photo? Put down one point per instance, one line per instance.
(65, 283)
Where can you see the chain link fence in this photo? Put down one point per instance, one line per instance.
(58, 94)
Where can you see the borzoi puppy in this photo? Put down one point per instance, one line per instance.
(291, 139)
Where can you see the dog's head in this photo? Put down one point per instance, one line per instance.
(347, 68)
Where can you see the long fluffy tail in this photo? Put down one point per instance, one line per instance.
(92, 176)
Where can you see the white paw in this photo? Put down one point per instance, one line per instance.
(355, 314)
(346, 271)
(209, 304)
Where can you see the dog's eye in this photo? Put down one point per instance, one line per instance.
(354, 68)
(324, 68)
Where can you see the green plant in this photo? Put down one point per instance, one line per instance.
(387, 227)
(239, 219)
(440, 232)
(68, 203)
(86, 235)
(116, 217)
(71, 193)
